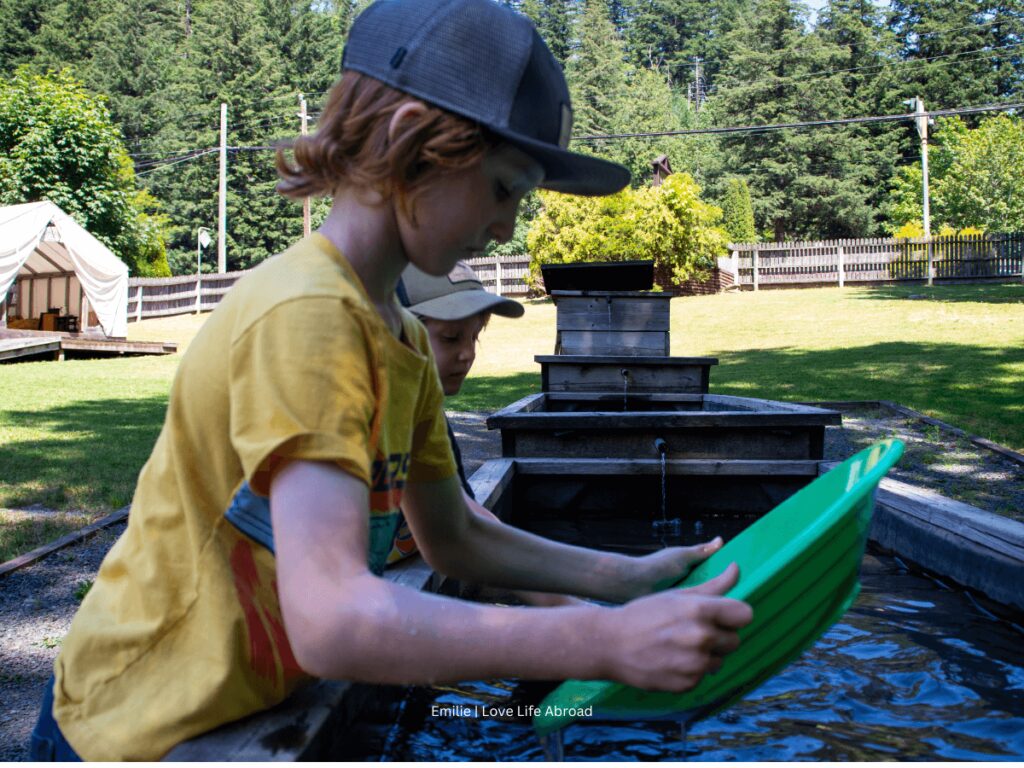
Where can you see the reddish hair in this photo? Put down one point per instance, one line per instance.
(351, 145)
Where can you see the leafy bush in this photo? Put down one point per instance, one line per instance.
(669, 224)
(57, 143)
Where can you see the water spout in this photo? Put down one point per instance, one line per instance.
(664, 525)
(625, 388)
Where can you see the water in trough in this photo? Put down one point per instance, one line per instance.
(914, 671)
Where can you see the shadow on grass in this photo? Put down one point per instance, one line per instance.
(975, 388)
(977, 293)
(491, 393)
(86, 455)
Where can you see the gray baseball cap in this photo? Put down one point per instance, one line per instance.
(486, 63)
(455, 296)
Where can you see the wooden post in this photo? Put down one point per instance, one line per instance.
(736, 266)
(304, 117)
(755, 258)
(497, 275)
(138, 304)
(842, 268)
(85, 311)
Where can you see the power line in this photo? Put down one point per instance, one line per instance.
(154, 165)
(805, 124)
(896, 63)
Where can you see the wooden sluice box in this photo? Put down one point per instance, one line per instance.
(691, 426)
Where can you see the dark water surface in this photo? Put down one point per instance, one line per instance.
(912, 672)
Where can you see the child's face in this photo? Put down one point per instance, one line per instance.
(454, 344)
(463, 211)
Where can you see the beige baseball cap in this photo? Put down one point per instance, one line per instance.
(456, 296)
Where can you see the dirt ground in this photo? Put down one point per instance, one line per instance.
(38, 602)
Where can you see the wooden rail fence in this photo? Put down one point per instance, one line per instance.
(952, 258)
(163, 296)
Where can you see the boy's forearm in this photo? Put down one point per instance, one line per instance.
(493, 553)
(392, 634)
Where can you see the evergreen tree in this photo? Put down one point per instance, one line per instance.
(949, 48)
(737, 212)
(597, 72)
(872, 85)
(227, 58)
(553, 19)
(20, 21)
(805, 183)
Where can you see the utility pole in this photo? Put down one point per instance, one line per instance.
(306, 225)
(921, 121)
(697, 88)
(222, 206)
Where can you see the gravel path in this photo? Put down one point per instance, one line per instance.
(38, 602)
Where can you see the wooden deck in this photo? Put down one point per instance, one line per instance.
(16, 344)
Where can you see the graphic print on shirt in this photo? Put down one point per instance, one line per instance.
(387, 484)
(270, 653)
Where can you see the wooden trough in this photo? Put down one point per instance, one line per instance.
(622, 374)
(692, 426)
(577, 500)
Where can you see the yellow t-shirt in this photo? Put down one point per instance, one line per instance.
(182, 630)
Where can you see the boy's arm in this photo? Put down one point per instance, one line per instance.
(343, 622)
(482, 549)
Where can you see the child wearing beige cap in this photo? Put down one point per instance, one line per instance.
(455, 310)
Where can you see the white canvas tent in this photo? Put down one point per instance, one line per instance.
(54, 262)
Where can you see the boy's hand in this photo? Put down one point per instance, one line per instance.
(668, 641)
(667, 566)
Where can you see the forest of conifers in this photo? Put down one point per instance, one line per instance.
(634, 66)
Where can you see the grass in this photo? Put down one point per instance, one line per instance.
(74, 434)
(21, 532)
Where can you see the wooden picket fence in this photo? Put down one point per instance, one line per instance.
(163, 296)
(877, 260)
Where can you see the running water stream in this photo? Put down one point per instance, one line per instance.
(664, 526)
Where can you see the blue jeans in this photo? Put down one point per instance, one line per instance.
(48, 743)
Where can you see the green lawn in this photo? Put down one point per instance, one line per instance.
(74, 434)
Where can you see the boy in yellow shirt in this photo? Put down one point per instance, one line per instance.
(311, 390)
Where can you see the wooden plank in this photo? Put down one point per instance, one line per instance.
(722, 467)
(718, 442)
(11, 349)
(626, 359)
(612, 313)
(64, 541)
(975, 548)
(639, 376)
(640, 343)
(491, 480)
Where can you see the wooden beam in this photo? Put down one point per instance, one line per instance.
(619, 467)
(977, 549)
(72, 538)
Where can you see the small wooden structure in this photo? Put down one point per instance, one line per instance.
(16, 344)
(692, 426)
(623, 323)
(624, 374)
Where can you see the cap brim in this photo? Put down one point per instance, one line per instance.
(462, 304)
(568, 172)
